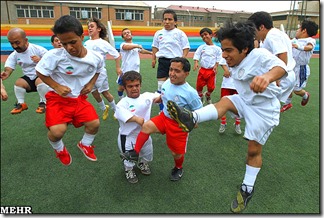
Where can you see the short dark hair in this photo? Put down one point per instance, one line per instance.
(131, 76)
(205, 30)
(170, 11)
(310, 26)
(67, 23)
(185, 63)
(261, 18)
(123, 31)
(241, 34)
(53, 37)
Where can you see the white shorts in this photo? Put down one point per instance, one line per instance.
(302, 74)
(101, 84)
(287, 84)
(127, 143)
(260, 119)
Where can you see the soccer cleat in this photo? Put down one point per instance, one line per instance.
(238, 129)
(286, 107)
(129, 155)
(176, 174)
(131, 176)
(87, 151)
(222, 128)
(105, 113)
(241, 200)
(183, 116)
(208, 99)
(41, 108)
(305, 101)
(19, 107)
(64, 156)
(144, 167)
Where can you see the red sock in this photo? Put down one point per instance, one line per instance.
(179, 162)
(140, 141)
(223, 120)
(237, 121)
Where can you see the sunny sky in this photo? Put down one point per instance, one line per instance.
(248, 6)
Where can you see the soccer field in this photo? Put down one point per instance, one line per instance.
(288, 183)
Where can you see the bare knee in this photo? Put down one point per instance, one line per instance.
(92, 127)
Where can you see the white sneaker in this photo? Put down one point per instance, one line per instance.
(238, 129)
(222, 128)
(131, 176)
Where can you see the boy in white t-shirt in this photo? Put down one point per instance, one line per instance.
(131, 112)
(71, 74)
(26, 55)
(169, 42)
(130, 57)
(254, 71)
(98, 42)
(209, 56)
(279, 44)
(303, 47)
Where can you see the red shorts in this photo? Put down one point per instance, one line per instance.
(206, 77)
(61, 110)
(176, 139)
(225, 92)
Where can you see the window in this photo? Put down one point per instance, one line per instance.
(127, 14)
(26, 11)
(85, 13)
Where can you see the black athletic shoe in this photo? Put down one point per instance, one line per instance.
(176, 174)
(129, 155)
(183, 116)
(241, 200)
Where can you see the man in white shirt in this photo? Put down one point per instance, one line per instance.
(131, 112)
(27, 55)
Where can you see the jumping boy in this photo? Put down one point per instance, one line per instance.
(71, 74)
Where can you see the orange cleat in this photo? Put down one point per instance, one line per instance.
(19, 108)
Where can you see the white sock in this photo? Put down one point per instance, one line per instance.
(250, 177)
(305, 96)
(102, 105)
(206, 113)
(113, 105)
(58, 146)
(288, 101)
(87, 139)
(160, 83)
(20, 94)
(42, 89)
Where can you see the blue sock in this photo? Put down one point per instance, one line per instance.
(120, 93)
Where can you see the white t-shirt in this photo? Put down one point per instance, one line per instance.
(228, 82)
(170, 43)
(130, 59)
(101, 46)
(208, 55)
(278, 42)
(303, 57)
(70, 71)
(128, 107)
(24, 60)
(257, 62)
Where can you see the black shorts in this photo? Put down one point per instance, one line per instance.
(31, 83)
(163, 68)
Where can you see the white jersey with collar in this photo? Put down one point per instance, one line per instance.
(130, 58)
(257, 62)
(278, 42)
(129, 107)
(71, 71)
(24, 59)
(208, 55)
(170, 43)
(101, 46)
(303, 57)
